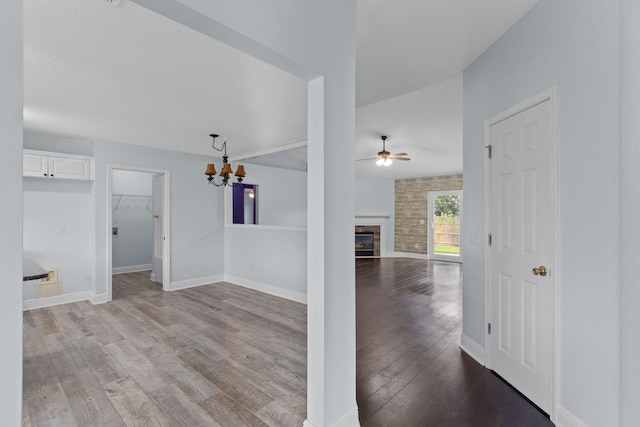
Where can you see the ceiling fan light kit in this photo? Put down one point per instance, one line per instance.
(385, 158)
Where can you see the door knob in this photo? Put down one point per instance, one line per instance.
(542, 271)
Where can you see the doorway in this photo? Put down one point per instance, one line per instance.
(138, 211)
(521, 247)
(445, 222)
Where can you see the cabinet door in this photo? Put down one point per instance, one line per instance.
(35, 165)
(66, 168)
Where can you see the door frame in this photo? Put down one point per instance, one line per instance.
(430, 220)
(166, 224)
(551, 95)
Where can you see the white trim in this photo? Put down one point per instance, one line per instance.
(267, 289)
(130, 269)
(350, 419)
(268, 227)
(166, 223)
(564, 418)
(98, 299)
(192, 283)
(394, 254)
(472, 348)
(550, 94)
(239, 281)
(380, 221)
(273, 150)
(33, 304)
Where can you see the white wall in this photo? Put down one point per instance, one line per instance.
(376, 197)
(270, 259)
(131, 182)
(276, 259)
(575, 43)
(132, 214)
(58, 226)
(11, 213)
(282, 195)
(295, 37)
(59, 220)
(629, 224)
(196, 209)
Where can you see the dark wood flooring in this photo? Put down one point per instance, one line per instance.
(221, 355)
(410, 370)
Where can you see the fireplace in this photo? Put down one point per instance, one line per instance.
(365, 243)
(367, 240)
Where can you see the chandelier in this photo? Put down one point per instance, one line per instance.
(226, 171)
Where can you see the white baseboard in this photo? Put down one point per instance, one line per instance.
(239, 281)
(98, 299)
(472, 348)
(350, 419)
(267, 289)
(130, 269)
(192, 283)
(564, 418)
(395, 254)
(32, 304)
(152, 277)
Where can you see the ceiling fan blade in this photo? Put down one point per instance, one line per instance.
(368, 158)
(401, 158)
(399, 154)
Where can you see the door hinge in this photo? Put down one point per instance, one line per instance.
(489, 151)
(489, 239)
(489, 328)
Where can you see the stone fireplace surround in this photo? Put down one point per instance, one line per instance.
(375, 225)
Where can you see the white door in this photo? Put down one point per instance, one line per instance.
(445, 222)
(522, 221)
(158, 236)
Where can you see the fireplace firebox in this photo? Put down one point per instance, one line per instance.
(365, 243)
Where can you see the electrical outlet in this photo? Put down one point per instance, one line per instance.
(63, 229)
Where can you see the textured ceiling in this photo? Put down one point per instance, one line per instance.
(94, 71)
(407, 45)
(125, 74)
(426, 124)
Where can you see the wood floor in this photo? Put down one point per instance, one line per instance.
(207, 356)
(224, 355)
(410, 370)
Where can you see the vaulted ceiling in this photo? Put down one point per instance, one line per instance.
(93, 71)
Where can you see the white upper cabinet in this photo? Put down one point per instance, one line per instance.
(43, 164)
(35, 165)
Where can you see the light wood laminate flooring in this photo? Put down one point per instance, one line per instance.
(224, 355)
(207, 356)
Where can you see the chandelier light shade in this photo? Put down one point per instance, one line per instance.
(211, 170)
(226, 171)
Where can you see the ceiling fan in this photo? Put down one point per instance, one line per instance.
(385, 158)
